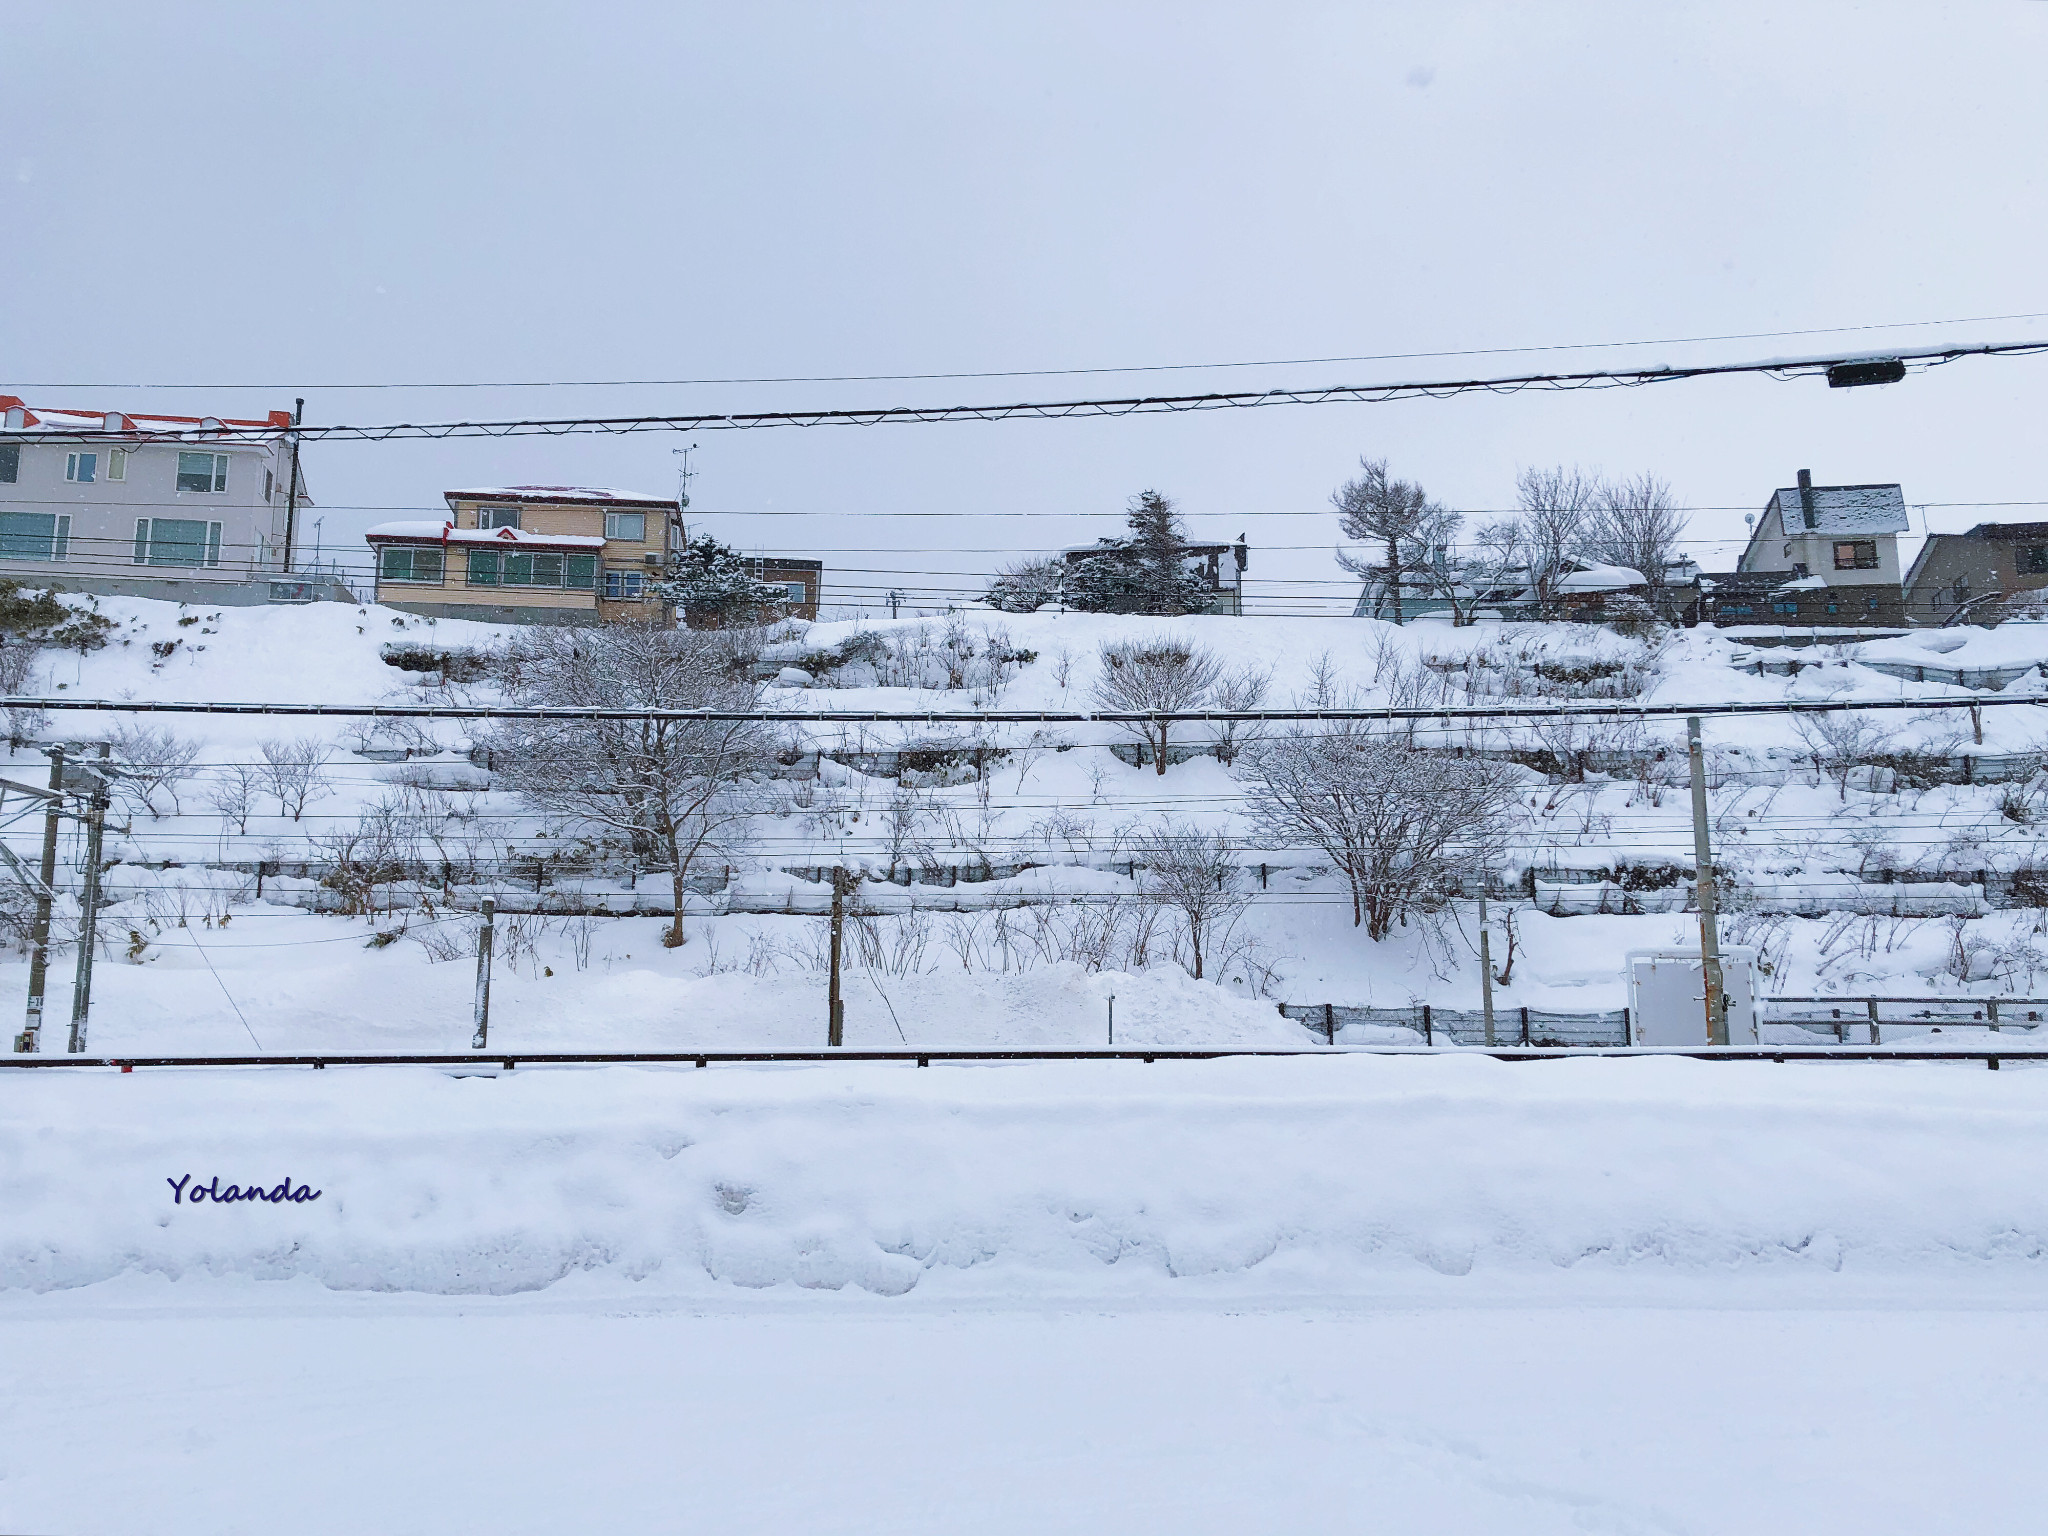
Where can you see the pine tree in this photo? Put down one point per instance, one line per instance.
(1148, 572)
(714, 589)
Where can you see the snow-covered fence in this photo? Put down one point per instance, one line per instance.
(1466, 1026)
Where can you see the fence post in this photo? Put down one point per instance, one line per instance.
(1428, 1029)
(1872, 1005)
(1525, 1023)
(483, 975)
(1991, 1011)
(1330, 1023)
(835, 1018)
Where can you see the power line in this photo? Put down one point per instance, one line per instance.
(1367, 394)
(1601, 710)
(1054, 373)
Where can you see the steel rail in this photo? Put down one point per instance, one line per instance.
(509, 1060)
(1784, 368)
(1606, 710)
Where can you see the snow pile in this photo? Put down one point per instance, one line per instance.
(1247, 1177)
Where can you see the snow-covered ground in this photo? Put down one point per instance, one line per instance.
(1890, 878)
(1332, 1293)
(1413, 1418)
(1411, 1295)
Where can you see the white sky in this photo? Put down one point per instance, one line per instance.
(299, 197)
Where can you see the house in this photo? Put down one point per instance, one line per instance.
(1968, 574)
(1582, 588)
(189, 508)
(800, 581)
(1220, 567)
(1819, 555)
(533, 554)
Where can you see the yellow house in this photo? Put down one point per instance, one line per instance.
(532, 554)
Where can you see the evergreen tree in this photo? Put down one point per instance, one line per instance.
(1148, 572)
(713, 588)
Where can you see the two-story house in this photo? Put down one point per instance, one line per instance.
(190, 508)
(1964, 576)
(533, 554)
(1819, 555)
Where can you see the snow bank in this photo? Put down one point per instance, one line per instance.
(1220, 1178)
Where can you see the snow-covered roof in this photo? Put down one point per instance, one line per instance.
(1593, 577)
(16, 415)
(1843, 509)
(513, 538)
(572, 495)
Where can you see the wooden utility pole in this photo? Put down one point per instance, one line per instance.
(291, 496)
(31, 1037)
(835, 1028)
(1485, 967)
(1703, 862)
(483, 975)
(89, 905)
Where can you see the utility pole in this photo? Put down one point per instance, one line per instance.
(31, 1037)
(89, 904)
(1485, 966)
(1703, 861)
(835, 1033)
(483, 975)
(895, 598)
(291, 495)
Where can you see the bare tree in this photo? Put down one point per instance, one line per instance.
(1636, 524)
(153, 759)
(678, 790)
(1243, 689)
(17, 680)
(1026, 585)
(1191, 872)
(1398, 516)
(1163, 674)
(1839, 743)
(233, 793)
(295, 772)
(1402, 825)
(1555, 508)
(377, 849)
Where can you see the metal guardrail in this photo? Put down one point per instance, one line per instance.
(509, 1061)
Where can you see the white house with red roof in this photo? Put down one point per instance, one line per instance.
(191, 508)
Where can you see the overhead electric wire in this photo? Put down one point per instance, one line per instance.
(1597, 710)
(1781, 368)
(1047, 373)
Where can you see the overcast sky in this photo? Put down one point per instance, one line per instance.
(300, 197)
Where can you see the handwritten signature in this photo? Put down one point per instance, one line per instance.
(234, 1192)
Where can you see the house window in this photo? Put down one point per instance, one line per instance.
(202, 473)
(84, 468)
(1785, 607)
(267, 485)
(794, 591)
(34, 536)
(412, 562)
(10, 463)
(1856, 555)
(626, 525)
(2036, 561)
(176, 541)
(497, 517)
(117, 463)
(625, 586)
(535, 568)
(1801, 571)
